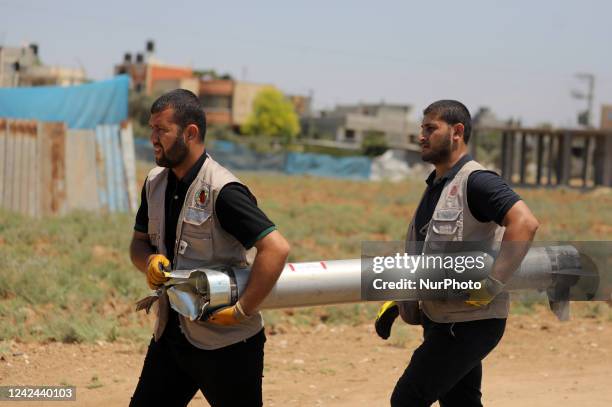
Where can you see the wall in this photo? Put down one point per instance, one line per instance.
(242, 103)
(46, 169)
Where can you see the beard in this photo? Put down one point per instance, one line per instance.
(174, 155)
(438, 154)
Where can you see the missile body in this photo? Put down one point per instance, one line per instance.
(197, 293)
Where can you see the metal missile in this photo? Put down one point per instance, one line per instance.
(560, 271)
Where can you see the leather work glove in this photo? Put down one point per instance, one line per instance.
(157, 264)
(489, 288)
(231, 315)
(385, 318)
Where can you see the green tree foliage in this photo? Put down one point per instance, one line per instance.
(139, 111)
(374, 143)
(272, 116)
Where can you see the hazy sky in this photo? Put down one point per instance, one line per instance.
(517, 57)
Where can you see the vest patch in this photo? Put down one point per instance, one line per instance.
(201, 196)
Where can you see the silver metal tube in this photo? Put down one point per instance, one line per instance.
(553, 268)
(316, 283)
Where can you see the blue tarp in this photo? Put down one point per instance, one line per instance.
(81, 107)
(328, 166)
(239, 157)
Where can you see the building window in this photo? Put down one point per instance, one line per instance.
(216, 101)
(349, 135)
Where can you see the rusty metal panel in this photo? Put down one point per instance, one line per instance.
(27, 139)
(29, 163)
(101, 171)
(111, 173)
(81, 181)
(7, 199)
(17, 179)
(52, 157)
(33, 197)
(3, 136)
(129, 161)
(119, 185)
(16, 170)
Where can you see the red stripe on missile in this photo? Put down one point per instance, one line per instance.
(323, 264)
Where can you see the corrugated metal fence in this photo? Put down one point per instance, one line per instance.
(46, 169)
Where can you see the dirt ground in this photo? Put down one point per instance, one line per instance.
(540, 362)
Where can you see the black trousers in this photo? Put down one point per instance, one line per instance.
(447, 366)
(174, 370)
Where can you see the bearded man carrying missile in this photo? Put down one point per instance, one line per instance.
(195, 213)
(462, 203)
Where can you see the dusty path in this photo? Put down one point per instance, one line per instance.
(540, 362)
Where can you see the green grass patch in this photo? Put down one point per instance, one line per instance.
(70, 279)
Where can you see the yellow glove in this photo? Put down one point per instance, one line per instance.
(489, 288)
(231, 315)
(385, 318)
(157, 264)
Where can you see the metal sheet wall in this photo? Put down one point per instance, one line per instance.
(47, 170)
(81, 182)
(112, 188)
(129, 160)
(19, 170)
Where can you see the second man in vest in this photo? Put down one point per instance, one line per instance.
(463, 202)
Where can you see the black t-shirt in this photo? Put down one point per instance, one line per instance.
(236, 209)
(489, 196)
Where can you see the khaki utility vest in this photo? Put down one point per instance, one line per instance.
(453, 221)
(200, 242)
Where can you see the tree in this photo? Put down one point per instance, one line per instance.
(273, 116)
(374, 143)
(139, 111)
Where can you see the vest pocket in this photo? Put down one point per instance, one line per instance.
(196, 216)
(197, 248)
(196, 241)
(444, 221)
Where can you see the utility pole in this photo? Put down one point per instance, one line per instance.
(584, 117)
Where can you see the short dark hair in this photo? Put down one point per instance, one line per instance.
(187, 109)
(452, 112)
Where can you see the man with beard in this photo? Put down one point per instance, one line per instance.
(462, 202)
(195, 213)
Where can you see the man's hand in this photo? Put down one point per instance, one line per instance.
(156, 265)
(228, 316)
(489, 288)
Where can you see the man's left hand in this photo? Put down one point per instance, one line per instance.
(231, 315)
(489, 288)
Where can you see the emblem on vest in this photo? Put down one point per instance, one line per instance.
(452, 199)
(201, 197)
(196, 213)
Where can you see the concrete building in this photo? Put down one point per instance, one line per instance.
(216, 96)
(230, 102)
(350, 123)
(227, 102)
(243, 98)
(21, 66)
(150, 76)
(606, 117)
(302, 104)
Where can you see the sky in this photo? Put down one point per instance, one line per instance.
(519, 58)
